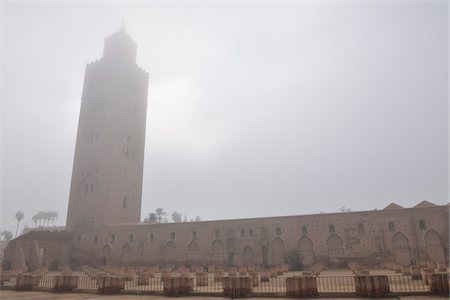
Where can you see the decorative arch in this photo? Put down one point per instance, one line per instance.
(277, 251)
(400, 248)
(126, 252)
(193, 252)
(170, 251)
(217, 252)
(336, 253)
(247, 256)
(305, 245)
(434, 247)
(265, 257)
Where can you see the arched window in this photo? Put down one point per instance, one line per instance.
(304, 230)
(131, 238)
(361, 229)
(331, 228)
(391, 226)
(422, 225)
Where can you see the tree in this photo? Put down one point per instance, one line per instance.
(344, 209)
(293, 259)
(176, 217)
(160, 213)
(7, 235)
(53, 217)
(19, 216)
(34, 219)
(151, 219)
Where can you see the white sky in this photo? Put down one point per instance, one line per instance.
(255, 109)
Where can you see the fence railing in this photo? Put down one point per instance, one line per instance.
(234, 286)
(405, 284)
(336, 284)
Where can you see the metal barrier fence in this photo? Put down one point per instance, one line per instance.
(143, 283)
(8, 280)
(86, 282)
(336, 284)
(46, 282)
(207, 283)
(268, 285)
(405, 284)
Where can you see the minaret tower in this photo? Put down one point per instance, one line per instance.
(107, 171)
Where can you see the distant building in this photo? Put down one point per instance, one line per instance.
(105, 202)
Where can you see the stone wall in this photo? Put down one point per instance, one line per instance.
(370, 237)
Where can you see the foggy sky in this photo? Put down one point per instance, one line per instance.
(255, 109)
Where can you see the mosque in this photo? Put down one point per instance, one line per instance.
(103, 222)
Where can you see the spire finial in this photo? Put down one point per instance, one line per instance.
(122, 26)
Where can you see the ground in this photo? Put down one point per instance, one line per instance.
(6, 295)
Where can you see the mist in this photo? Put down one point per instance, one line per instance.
(255, 109)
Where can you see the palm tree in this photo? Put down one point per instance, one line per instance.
(47, 217)
(19, 216)
(160, 212)
(7, 235)
(54, 216)
(34, 219)
(40, 217)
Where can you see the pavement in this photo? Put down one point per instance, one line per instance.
(36, 295)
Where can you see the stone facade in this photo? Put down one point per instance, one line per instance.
(402, 235)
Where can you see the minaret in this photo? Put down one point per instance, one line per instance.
(107, 171)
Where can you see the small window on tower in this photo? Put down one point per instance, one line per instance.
(125, 202)
(278, 231)
(152, 237)
(95, 239)
(194, 235)
(92, 187)
(113, 238)
(331, 228)
(304, 230)
(131, 238)
(361, 230)
(172, 235)
(422, 225)
(391, 226)
(242, 233)
(217, 234)
(86, 188)
(250, 232)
